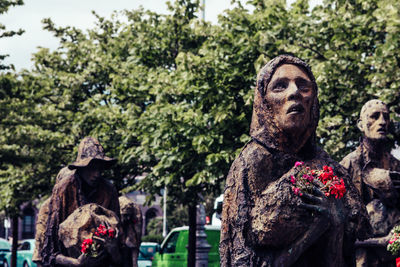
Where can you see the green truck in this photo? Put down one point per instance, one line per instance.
(173, 250)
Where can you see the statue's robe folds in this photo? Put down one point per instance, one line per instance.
(262, 219)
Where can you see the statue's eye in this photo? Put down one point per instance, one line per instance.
(279, 86)
(303, 85)
(374, 115)
(386, 116)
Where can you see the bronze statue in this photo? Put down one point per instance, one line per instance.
(376, 175)
(131, 222)
(84, 186)
(263, 222)
(42, 218)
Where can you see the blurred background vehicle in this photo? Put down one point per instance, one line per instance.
(24, 254)
(173, 250)
(5, 248)
(146, 253)
(216, 217)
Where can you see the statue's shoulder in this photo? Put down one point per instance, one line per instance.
(67, 180)
(351, 158)
(254, 152)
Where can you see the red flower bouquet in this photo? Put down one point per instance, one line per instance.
(327, 181)
(93, 246)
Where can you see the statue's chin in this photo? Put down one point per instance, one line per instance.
(377, 138)
(294, 128)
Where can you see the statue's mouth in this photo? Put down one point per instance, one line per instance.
(295, 109)
(381, 130)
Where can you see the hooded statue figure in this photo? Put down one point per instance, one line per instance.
(263, 222)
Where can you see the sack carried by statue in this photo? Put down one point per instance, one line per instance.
(87, 229)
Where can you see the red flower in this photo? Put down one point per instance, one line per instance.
(292, 179)
(101, 230)
(111, 233)
(86, 245)
(296, 191)
(338, 188)
(298, 163)
(326, 175)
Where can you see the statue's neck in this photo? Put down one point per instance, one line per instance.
(375, 148)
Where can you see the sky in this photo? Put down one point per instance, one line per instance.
(70, 13)
(76, 13)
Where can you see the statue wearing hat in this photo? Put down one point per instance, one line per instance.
(376, 175)
(84, 185)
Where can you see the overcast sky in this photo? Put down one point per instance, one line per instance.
(70, 13)
(75, 13)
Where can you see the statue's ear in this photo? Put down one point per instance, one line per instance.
(360, 125)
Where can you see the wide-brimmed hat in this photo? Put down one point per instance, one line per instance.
(90, 149)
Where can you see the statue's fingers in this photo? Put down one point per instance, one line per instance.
(311, 198)
(317, 191)
(312, 207)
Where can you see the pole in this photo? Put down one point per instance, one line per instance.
(164, 231)
(203, 13)
(202, 247)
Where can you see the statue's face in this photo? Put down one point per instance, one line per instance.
(290, 94)
(374, 122)
(91, 173)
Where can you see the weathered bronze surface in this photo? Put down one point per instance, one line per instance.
(80, 187)
(263, 222)
(81, 224)
(131, 220)
(376, 175)
(42, 218)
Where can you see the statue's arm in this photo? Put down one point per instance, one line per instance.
(58, 211)
(66, 261)
(291, 254)
(286, 217)
(374, 242)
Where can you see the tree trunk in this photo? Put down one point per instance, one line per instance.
(192, 236)
(14, 241)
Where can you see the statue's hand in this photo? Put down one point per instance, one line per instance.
(111, 245)
(317, 202)
(88, 261)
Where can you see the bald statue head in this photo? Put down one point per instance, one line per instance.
(374, 120)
